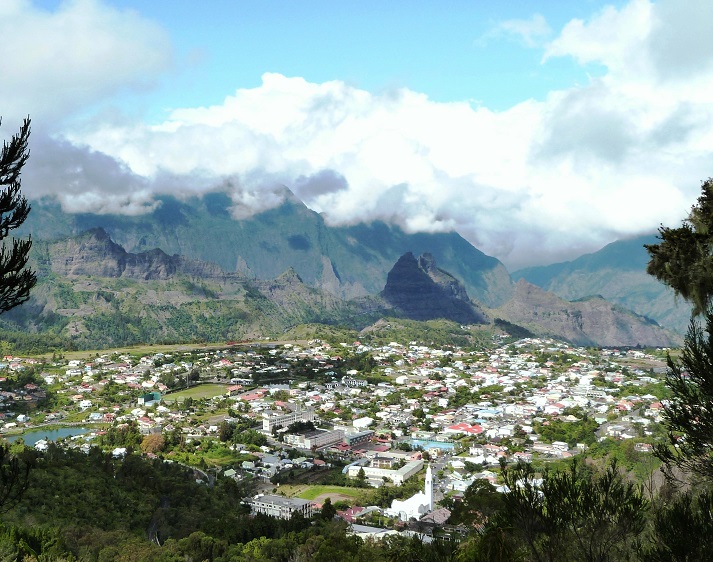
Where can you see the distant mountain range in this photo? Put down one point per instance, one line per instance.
(617, 273)
(591, 321)
(190, 271)
(346, 261)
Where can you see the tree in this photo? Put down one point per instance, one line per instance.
(681, 530)
(683, 260)
(328, 510)
(688, 415)
(225, 431)
(570, 514)
(14, 476)
(16, 279)
(152, 443)
(480, 502)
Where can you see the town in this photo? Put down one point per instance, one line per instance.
(303, 422)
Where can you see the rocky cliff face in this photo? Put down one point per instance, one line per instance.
(95, 254)
(422, 291)
(92, 294)
(593, 321)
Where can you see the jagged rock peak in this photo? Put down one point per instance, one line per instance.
(422, 291)
(290, 275)
(427, 262)
(98, 232)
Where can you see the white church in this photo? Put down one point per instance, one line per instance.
(416, 506)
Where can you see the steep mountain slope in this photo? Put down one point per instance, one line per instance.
(617, 272)
(485, 278)
(93, 294)
(421, 291)
(346, 261)
(592, 321)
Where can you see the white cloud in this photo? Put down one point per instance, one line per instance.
(543, 180)
(84, 180)
(531, 31)
(613, 38)
(53, 63)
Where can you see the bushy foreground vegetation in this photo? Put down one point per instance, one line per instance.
(94, 507)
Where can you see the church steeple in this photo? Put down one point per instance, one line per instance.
(429, 488)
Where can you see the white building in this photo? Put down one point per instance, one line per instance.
(417, 505)
(362, 423)
(280, 507)
(315, 439)
(398, 477)
(271, 420)
(348, 381)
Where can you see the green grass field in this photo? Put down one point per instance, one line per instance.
(195, 392)
(313, 492)
(137, 350)
(151, 349)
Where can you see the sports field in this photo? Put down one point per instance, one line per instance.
(323, 491)
(195, 392)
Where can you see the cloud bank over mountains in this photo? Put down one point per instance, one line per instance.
(543, 180)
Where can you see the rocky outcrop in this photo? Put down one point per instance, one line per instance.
(589, 322)
(95, 254)
(421, 291)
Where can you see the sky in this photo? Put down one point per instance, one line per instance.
(537, 130)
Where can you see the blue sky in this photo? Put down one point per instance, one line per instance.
(451, 51)
(539, 131)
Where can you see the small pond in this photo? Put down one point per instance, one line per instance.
(49, 433)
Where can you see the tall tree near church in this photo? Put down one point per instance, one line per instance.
(683, 260)
(16, 279)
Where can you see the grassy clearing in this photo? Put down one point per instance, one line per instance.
(292, 490)
(196, 392)
(151, 349)
(313, 492)
(133, 350)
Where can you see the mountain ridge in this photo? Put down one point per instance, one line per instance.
(617, 272)
(349, 261)
(94, 293)
(592, 321)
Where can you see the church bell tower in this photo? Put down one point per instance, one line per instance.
(429, 488)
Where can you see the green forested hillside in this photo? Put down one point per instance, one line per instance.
(98, 313)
